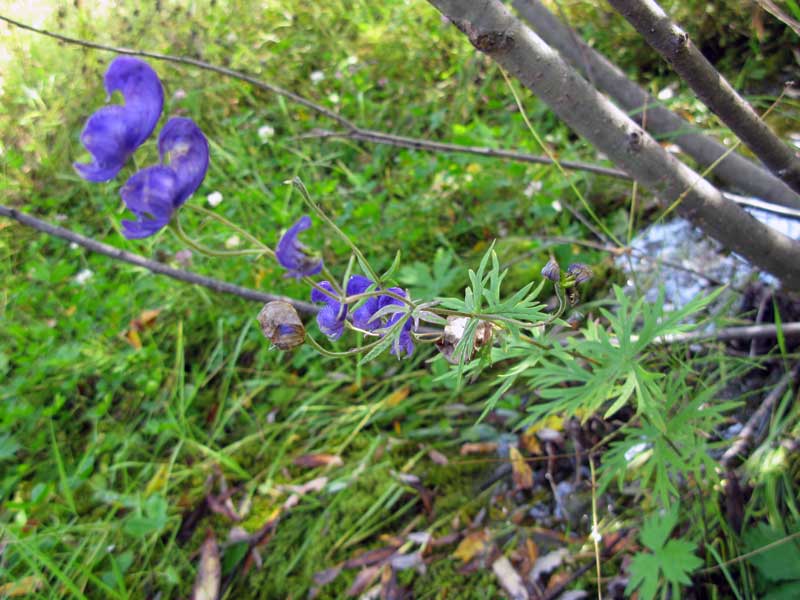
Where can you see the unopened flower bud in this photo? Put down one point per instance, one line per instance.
(453, 334)
(552, 271)
(579, 272)
(281, 325)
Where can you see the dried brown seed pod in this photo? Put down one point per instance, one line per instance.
(454, 333)
(281, 325)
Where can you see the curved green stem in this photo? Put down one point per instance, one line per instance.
(175, 227)
(297, 183)
(315, 344)
(244, 233)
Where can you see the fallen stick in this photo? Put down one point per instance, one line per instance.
(151, 265)
(750, 431)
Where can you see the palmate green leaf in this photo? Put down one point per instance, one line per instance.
(671, 560)
(657, 528)
(776, 564)
(644, 576)
(678, 560)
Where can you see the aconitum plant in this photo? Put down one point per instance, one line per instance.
(369, 305)
(114, 133)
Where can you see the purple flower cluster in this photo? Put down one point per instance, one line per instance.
(332, 316)
(113, 133)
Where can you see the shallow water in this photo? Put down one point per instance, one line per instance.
(680, 244)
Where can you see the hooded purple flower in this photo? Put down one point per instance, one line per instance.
(552, 271)
(293, 256)
(114, 132)
(332, 316)
(154, 193)
(580, 272)
(359, 284)
(404, 342)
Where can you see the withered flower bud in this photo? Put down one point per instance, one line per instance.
(552, 271)
(454, 333)
(579, 272)
(281, 325)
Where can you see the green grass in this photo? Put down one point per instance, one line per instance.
(106, 446)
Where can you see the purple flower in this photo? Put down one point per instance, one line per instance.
(359, 284)
(332, 316)
(580, 272)
(154, 193)
(113, 133)
(552, 271)
(404, 342)
(293, 256)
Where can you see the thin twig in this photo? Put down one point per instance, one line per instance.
(674, 45)
(353, 131)
(746, 332)
(151, 265)
(748, 434)
(378, 137)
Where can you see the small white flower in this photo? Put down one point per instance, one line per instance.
(179, 94)
(334, 98)
(214, 199)
(317, 76)
(265, 132)
(83, 276)
(73, 246)
(556, 206)
(232, 242)
(666, 94)
(351, 60)
(534, 187)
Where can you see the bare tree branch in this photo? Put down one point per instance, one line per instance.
(673, 44)
(734, 169)
(491, 28)
(376, 137)
(352, 130)
(775, 11)
(151, 265)
(727, 334)
(749, 433)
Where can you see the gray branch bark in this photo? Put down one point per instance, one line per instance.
(151, 265)
(735, 170)
(673, 44)
(491, 28)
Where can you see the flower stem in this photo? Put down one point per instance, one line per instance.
(315, 344)
(175, 227)
(244, 233)
(297, 183)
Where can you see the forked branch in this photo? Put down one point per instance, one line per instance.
(734, 169)
(491, 28)
(674, 45)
